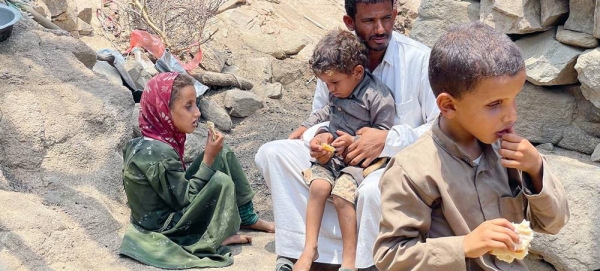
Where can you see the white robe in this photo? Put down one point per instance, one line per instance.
(281, 162)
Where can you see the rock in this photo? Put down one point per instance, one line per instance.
(40, 7)
(290, 43)
(543, 113)
(67, 20)
(553, 11)
(194, 144)
(242, 103)
(596, 154)
(84, 28)
(135, 122)
(139, 70)
(259, 42)
(82, 52)
(512, 16)
(545, 146)
(581, 16)
(111, 73)
(588, 69)
(86, 15)
(212, 60)
(258, 70)
(437, 16)
(576, 246)
(535, 262)
(273, 91)
(549, 62)
(574, 138)
(578, 39)
(56, 7)
(287, 71)
(596, 30)
(214, 112)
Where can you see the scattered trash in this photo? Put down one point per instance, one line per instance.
(168, 63)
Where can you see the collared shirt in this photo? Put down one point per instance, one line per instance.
(370, 105)
(432, 195)
(404, 70)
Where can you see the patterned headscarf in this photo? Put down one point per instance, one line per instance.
(155, 117)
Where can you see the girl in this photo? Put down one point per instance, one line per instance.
(182, 218)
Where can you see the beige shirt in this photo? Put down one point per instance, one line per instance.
(432, 195)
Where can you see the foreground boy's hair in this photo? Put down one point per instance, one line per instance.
(339, 51)
(468, 53)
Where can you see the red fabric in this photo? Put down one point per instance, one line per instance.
(155, 117)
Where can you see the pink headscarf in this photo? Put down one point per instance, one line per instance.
(155, 117)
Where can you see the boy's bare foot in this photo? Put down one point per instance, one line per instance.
(261, 225)
(237, 239)
(306, 259)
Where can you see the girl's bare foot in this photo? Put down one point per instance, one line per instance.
(306, 259)
(261, 225)
(237, 239)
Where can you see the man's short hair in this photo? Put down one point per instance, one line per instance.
(350, 5)
(469, 53)
(339, 51)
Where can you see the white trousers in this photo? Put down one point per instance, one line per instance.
(281, 163)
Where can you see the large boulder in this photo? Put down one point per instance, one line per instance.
(588, 69)
(581, 16)
(214, 112)
(553, 11)
(574, 38)
(549, 62)
(61, 133)
(242, 103)
(544, 113)
(512, 16)
(576, 246)
(596, 31)
(437, 16)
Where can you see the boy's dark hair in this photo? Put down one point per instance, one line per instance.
(181, 81)
(469, 53)
(339, 51)
(350, 5)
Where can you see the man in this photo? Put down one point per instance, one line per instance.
(402, 64)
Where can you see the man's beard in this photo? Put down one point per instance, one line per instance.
(380, 47)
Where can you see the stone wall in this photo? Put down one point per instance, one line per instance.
(558, 39)
(559, 105)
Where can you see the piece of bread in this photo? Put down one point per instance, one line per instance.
(328, 147)
(526, 235)
(211, 127)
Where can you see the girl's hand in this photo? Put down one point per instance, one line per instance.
(213, 147)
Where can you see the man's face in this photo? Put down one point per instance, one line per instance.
(373, 23)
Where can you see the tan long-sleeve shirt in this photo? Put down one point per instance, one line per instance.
(432, 195)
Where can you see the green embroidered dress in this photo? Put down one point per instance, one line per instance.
(180, 218)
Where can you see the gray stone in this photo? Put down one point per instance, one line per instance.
(82, 52)
(596, 154)
(596, 30)
(535, 262)
(581, 16)
(543, 113)
(216, 113)
(545, 146)
(437, 16)
(291, 42)
(512, 16)
(135, 122)
(40, 7)
(273, 91)
(84, 28)
(212, 60)
(549, 62)
(242, 103)
(553, 11)
(67, 20)
(576, 139)
(262, 43)
(287, 71)
(111, 73)
(56, 7)
(86, 15)
(575, 247)
(258, 70)
(578, 39)
(194, 144)
(588, 69)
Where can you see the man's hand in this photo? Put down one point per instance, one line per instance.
(322, 156)
(492, 234)
(297, 134)
(368, 146)
(518, 153)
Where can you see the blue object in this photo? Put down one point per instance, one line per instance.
(8, 17)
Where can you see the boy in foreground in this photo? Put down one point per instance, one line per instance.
(450, 198)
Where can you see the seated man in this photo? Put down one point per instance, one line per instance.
(402, 64)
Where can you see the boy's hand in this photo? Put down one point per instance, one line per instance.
(517, 152)
(322, 156)
(297, 134)
(342, 142)
(492, 234)
(367, 147)
(213, 147)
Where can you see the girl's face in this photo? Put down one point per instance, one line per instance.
(184, 111)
